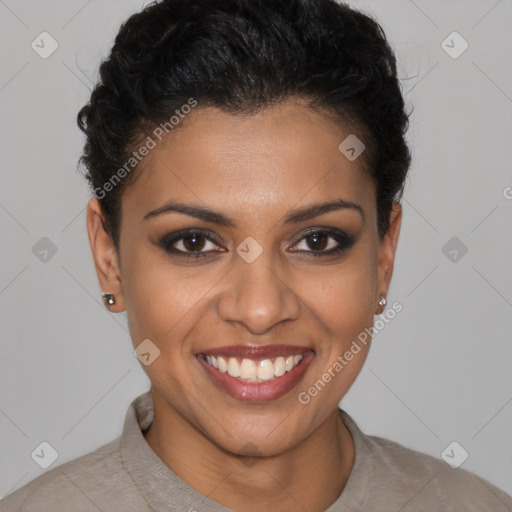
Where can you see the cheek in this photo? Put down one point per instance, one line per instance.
(155, 296)
(164, 300)
(344, 302)
(344, 295)
(344, 305)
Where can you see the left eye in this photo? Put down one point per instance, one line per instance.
(324, 242)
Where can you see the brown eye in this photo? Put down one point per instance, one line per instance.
(193, 242)
(190, 243)
(324, 242)
(317, 241)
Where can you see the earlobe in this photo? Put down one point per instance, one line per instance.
(106, 260)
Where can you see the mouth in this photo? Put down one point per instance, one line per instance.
(256, 373)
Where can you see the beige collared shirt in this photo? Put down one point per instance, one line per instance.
(125, 475)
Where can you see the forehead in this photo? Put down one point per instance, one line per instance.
(250, 164)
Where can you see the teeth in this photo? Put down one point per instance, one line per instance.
(254, 371)
(223, 365)
(233, 367)
(247, 369)
(279, 366)
(265, 370)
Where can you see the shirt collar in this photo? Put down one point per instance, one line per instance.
(164, 490)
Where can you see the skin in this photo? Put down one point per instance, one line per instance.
(277, 455)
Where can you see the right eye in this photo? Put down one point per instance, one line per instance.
(189, 244)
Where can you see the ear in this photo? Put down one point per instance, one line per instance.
(387, 250)
(106, 259)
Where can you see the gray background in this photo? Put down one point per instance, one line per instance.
(439, 372)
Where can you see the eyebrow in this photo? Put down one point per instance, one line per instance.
(293, 217)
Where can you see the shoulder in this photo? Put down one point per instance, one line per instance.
(427, 480)
(83, 484)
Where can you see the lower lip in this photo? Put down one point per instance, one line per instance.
(258, 391)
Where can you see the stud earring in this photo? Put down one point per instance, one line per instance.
(108, 298)
(382, 304)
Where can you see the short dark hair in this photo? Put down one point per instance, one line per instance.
(242, 56)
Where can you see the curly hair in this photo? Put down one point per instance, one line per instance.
(242, 56)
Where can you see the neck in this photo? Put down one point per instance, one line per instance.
(310, 476)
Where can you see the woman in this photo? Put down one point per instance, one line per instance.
(247, 160)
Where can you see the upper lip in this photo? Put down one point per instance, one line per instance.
(256, 351)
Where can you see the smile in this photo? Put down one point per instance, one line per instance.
(249, 370)
(256, 373)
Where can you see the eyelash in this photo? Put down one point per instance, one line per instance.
(345, 242)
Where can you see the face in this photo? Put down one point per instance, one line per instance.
(252, 273)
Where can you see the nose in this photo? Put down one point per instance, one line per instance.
(257, 297)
